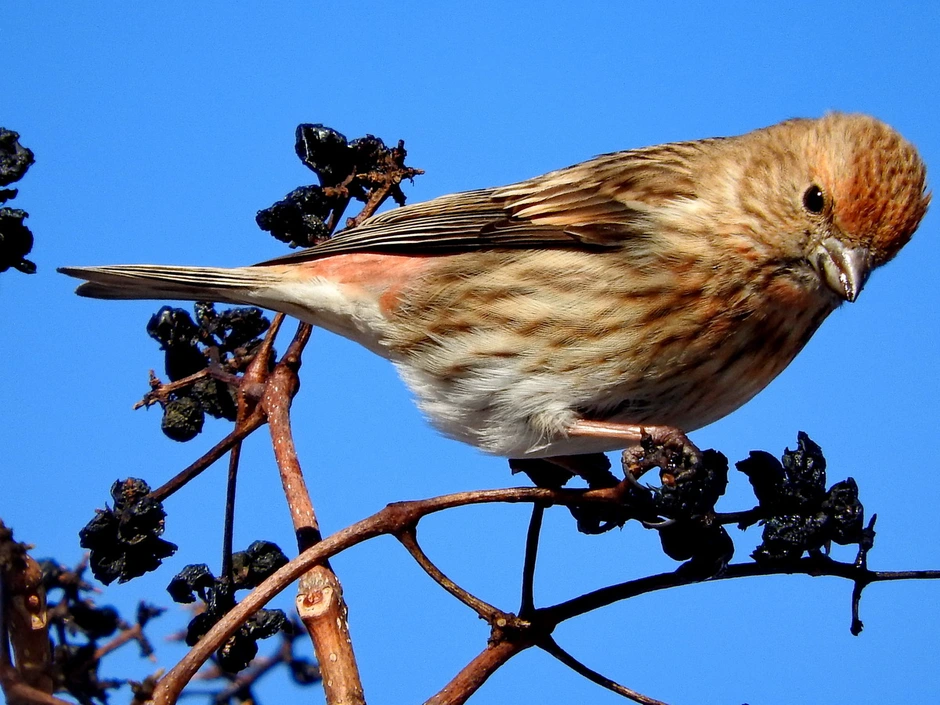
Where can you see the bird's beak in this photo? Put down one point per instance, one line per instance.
(845, 270)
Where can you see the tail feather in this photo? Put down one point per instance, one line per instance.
(240, 285)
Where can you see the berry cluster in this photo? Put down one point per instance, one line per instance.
(124, 542)
(228, 338)
(16, 240)
(249, 569)
(74, 614)
(801, 515)
(797, 512)
(346, 170)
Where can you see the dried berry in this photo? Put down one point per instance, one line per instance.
(249, 568)
(16, 241)
(15, 159)
(299, 219)
(254, 565)
(325, 151)
(125, 541)
(846, 514)
(800, 515)
(193, 580)
(183, 419)
(707, 549)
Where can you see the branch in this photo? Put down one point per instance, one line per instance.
(393, 519)
(240, 432)
(527, 604)
(397, 518)
(551, 646)
(475, 673)
(319, 601)
(23, 617)
(19, 693)
(814, 567)
(409, 540)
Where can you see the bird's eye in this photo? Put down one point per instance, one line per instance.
(813, 200)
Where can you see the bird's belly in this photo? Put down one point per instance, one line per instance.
(521, 405)
(509, 358)
(501, 410)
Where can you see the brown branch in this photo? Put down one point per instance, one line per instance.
(24, 618)
(475, 673)
(250, 425)
(393, 519)
(160, 392)
(19, 693)
(396, 518)
(279, 392)
(125, 636)
(319, 601)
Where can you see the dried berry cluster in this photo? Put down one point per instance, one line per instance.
(800, 514)
(228, 339)
(797, 512)
(681, 508)
(16, 240)
(77, 625)
(249, 569)
(124, 542)
(346, 170)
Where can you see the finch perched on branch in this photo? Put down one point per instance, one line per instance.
(650, 290)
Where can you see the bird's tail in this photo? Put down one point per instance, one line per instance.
(240, 285)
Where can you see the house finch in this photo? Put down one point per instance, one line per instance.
(640, 291)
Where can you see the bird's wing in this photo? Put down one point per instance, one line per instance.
(596, 204)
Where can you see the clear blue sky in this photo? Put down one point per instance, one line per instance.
(160, 130)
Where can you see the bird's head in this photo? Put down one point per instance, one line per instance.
(862, 198)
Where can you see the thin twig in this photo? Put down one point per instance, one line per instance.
(160, 391)
(527, 604)
(228, 525)
(551, 646)
(251, 424)
(861, 562)
(409, 540)
(125, 636)
(813, 567)
(384, 183)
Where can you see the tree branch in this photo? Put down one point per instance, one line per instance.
(319, 601)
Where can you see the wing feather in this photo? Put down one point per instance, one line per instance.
(600, 203)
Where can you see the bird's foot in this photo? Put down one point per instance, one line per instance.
(668, 449)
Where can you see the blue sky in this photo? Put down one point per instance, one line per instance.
(160, 130)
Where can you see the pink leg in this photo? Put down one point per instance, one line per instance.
(631, 433)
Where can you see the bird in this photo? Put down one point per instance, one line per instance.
(650, 291)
